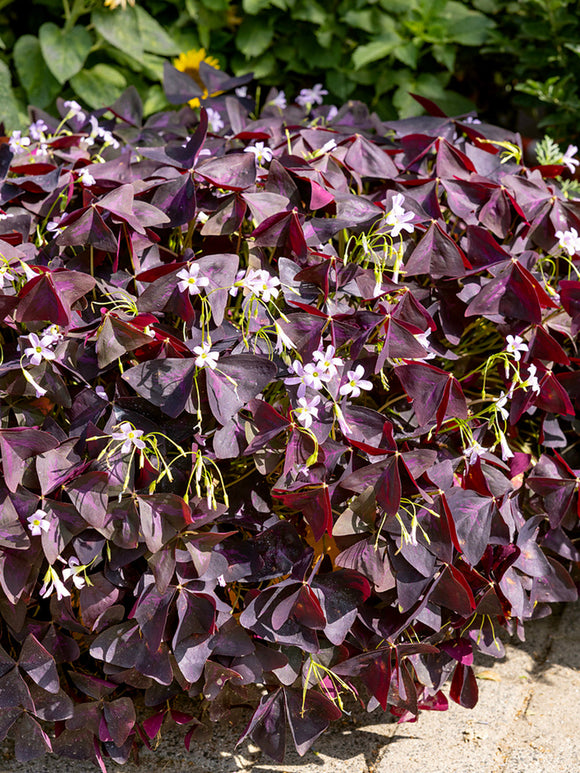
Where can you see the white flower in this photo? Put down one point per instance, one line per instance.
(17, 142)
(242, 91)
(261, 152)
(53, 226)
(52, 334)
(532, 381)
(568, 158)
(37, 129)
(129, 436)
(327, 147)
(74, 109)
(282, 340)
(355, 382)
(205, 357)
(515, 345)
(279, 101)
(314, 376)
(397, 218)
(53, 582)
(313, 96)
(73, 570)
(500, 404)
(38, 349)
(38, 522)
(332, 113)
(6, 274)
(506, 452)
(190, 280)
(327, 362)
(299, 378)
(214, 120)
(474, 451)
(262, 284)
(306, 410)
(569, 241)
(471, 119)
(107, 137)
(86, 178)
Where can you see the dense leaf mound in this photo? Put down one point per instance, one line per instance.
(288, 417)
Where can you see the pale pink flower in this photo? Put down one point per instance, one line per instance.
(307, 410)
(38, 349)
(397, 218)
(190, 280)
(355, 382)
(205, 357)
(130, 437)
(38, 522)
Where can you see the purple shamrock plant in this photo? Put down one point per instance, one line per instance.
(288, 416)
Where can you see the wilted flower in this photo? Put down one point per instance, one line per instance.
(38, 522)
(261, 152)
(355, 382)
(262, 284)
(205, 357)
(38, 349)
(130, 437)
(307, 410)
(190, 280)
(397, 218)
(313, 96)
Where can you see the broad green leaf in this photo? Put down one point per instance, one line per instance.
(10, 113)
(310, 11)
(464, 26)
(100, 86)
(39, 83)
(153, 36)
(252, 7)
(445, 55)
(408, 53)
(377, 49)
(119, 28)
(362, 20)
(253, 37)
(64, 52)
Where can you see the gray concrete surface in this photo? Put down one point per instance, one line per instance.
(527, 721)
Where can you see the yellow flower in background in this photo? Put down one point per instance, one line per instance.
(188, 62)
(112, 4)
